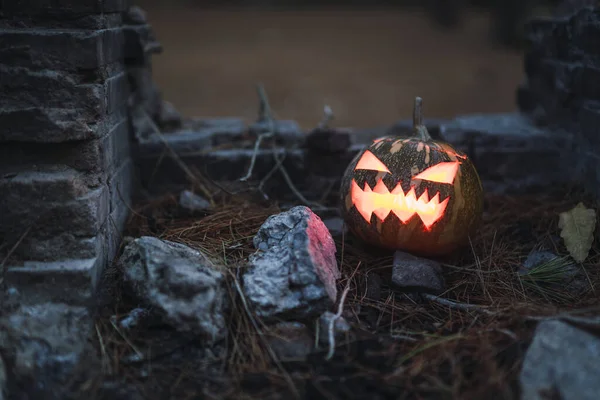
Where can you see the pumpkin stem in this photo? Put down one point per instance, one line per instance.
(418, 127)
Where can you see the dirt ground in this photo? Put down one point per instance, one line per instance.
(367, 66)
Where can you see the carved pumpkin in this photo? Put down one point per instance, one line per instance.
(412, 193)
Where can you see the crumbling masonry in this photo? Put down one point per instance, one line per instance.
(70, 73)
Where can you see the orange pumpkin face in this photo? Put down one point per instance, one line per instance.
(412, 194)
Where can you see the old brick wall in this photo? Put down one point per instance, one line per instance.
(65, 168)
(562, 87)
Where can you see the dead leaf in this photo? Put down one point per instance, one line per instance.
(577, 230)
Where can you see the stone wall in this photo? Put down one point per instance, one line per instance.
(65, 166)
(562, 86)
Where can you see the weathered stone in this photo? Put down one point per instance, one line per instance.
(23, 88)
(47, 350)
(180, 284)
(61, 21)
(287, 131)
(68, 281)
(418, 274)
(140, 43)
(341, 327)
(60, 246)
(290, 341)
(294, 275)
(61, 49)
(121, 185)
(159, 173)
(3, 384)
(116, 147)
(62, 7)
(135, 16)
(169, 119)
(589, 122)
(97, 156)
(510, 153)
(329, 140)
(54, 125)
(192, 202)
(145, 94)
(42, 207)
(562, 362)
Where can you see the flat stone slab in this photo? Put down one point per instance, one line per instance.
(68, 281)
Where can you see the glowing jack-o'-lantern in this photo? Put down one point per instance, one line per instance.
(414, 194)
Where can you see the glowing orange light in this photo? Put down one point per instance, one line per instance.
(379, 139)
(371, 162)
(380, 201)
(442, 173)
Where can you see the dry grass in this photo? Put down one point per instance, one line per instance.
(403, 346)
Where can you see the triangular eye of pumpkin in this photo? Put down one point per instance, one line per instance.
(442, 173)
(371, 162)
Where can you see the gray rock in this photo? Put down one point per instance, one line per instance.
(3, 382)
(169, 119)
(509, 152)
(63, 7)
(24, 88)
(290, 341)
(340, 327)
(140, 43)
(417, 274)
(329, 140)
(179, 283)
(562, 362)
(61, 49)
(287, 131)
(55, 125)
(294, 275)
(135, 16)
(69, 281)
(46, 348)
(192, 202)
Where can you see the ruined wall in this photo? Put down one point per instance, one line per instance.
(65, 166)
(562, 89)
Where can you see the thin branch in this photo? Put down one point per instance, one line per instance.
(178, 159)
(331, 330)
(338, 315)
(265, 116)
(455, 305)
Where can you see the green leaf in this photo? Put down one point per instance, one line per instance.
(577, 230)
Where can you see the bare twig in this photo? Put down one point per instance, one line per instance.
(455, 305)
(178, 159)
(266, 116)
(338, 314)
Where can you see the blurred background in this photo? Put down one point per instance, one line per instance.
(366, 59)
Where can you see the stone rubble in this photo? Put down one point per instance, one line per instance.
(192, 202)
(418, 274)
(178, 283)
(46, 348)
(294, 273)
(562, 362)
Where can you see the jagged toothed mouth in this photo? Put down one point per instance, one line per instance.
(381, 202)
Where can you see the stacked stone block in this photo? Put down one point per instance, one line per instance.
(65, 166)
(562, 88)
